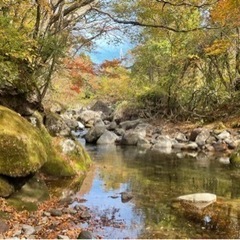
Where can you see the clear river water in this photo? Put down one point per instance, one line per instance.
(155, 180)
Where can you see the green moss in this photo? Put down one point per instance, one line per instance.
(22, 146)
(24, 149)
(56, 166)
(235, 159)
(71, 164)
(6, 189)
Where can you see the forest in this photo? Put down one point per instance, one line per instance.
(144, 145)
(185, 61)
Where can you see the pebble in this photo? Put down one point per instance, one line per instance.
(56, 212)
(85, 215)
(28, 230)
(85, 235)
(126, 196)
(3, 227)
(62, 237)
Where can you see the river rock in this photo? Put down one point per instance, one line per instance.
(180, 137)
(72, 124)
(194, 134)
(235, 159)
(28, 230)
(220, 146)
(112, 126)
(101, 106)
(202, 137)
(223, 135)
(3, 226)
(88, 115)
(131, 137)
(56, 212)
(94, 133)
(224, 160)
(80, 125)
(78, 159)
(143, 143)
(199, 200)
(85, 235)
(62, 237)
(163, 142)
(31, 193)
(68, 145)
(130, 124)
(126, 197)
(23, 147)
(107, 138)
(180, 146)
(85, 215)
(192, 146)
(56, 125)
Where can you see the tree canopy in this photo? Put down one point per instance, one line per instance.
(184, 49)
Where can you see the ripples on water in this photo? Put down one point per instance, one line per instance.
(156, 179)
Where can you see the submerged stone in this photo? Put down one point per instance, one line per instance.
(199, 200)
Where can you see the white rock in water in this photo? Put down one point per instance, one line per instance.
(199, 200)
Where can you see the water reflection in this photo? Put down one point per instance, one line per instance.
(155, 179)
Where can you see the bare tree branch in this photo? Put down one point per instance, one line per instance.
(137, 23)
(187, 4)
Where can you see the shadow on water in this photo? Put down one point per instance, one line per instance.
(155, 179)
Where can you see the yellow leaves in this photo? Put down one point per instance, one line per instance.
(44, 4)
(218, 47)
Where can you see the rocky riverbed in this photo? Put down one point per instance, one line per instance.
(101, 125)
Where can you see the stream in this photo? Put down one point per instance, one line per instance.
(154, 180)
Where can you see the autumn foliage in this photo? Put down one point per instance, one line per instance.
(227, 12)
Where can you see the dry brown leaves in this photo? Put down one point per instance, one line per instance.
(47, 227)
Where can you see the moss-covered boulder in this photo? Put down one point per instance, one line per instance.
(6, 189)
(68, 158)
(235, 159)
(22, 146)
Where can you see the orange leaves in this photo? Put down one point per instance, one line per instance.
(227, 12)
(80, 69)
(108, 68)
(79, 65)
(110, 64)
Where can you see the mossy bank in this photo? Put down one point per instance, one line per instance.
(26, 149)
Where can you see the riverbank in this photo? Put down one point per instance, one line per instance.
(59, 218)
(54, 219)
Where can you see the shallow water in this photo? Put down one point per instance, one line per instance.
(156, 179)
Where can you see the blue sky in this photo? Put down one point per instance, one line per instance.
(106, 50)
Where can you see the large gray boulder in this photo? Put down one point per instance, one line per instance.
(107, 138)
(101, 106)
(132, 136)
(202, 137)
(163, 142)
(94, 133)
(89, 116)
